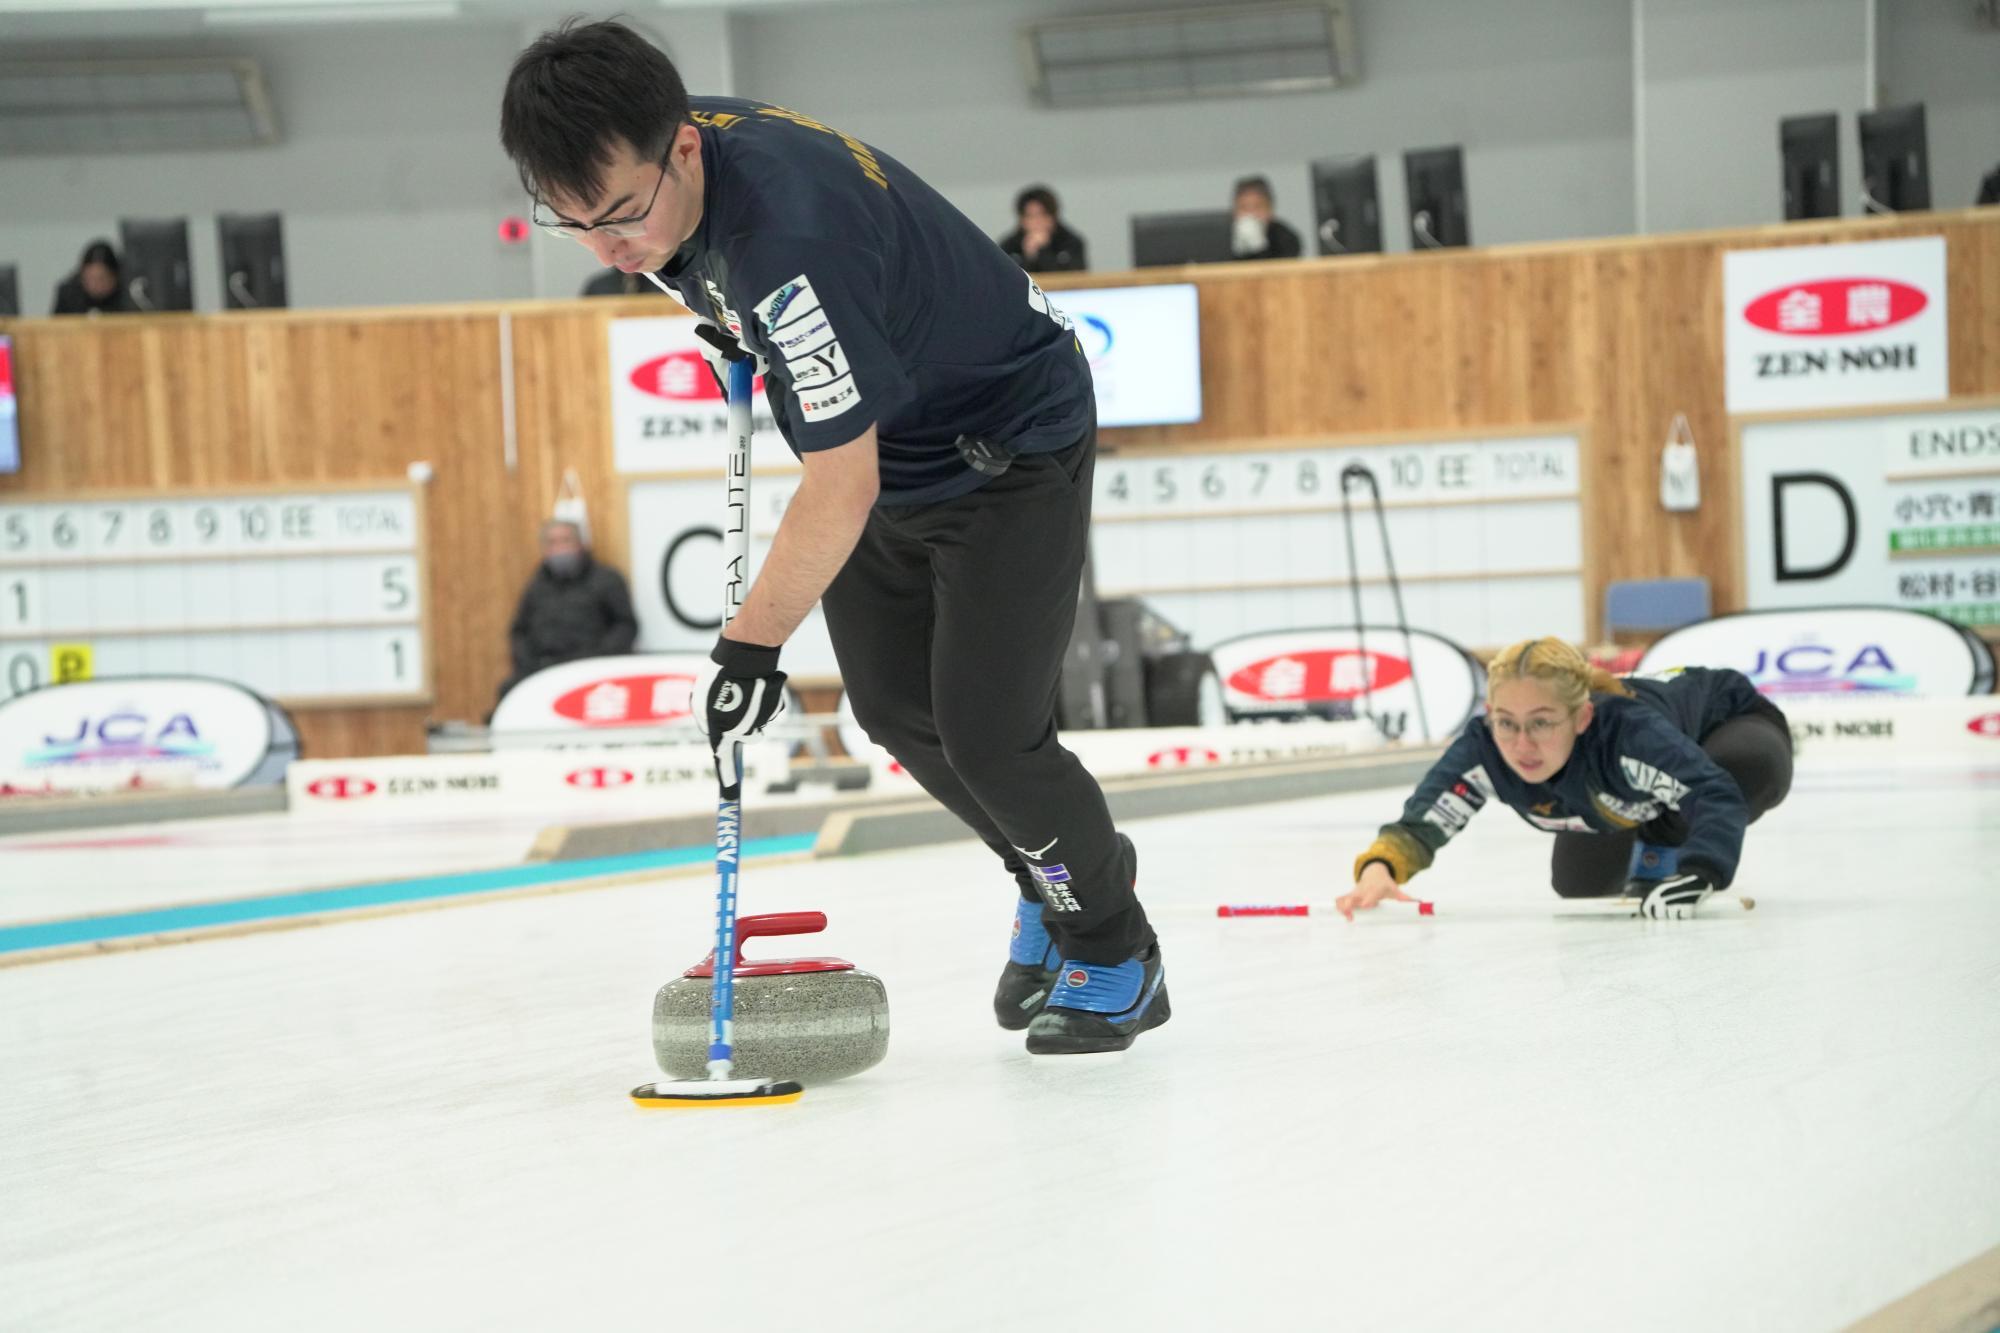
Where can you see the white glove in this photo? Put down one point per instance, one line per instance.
(1674, 898)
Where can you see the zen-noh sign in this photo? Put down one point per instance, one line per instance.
(137, 734)
(1422, 690)
(1850, 652)
(667, 411)
(1835, 325)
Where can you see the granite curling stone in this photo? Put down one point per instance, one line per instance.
(810, 1019)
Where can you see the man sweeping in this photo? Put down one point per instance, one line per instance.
(944, 417)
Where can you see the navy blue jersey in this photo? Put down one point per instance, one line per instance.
(1638, 765)
(875, 303)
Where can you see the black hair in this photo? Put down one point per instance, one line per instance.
(1037, 194)
(98, 252)
(1261, 184)
(579, 91)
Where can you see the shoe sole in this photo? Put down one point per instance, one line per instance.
(1083, 1044)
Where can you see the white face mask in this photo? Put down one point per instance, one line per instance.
(1249, 235)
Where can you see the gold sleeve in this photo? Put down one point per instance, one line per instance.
(1405, 855)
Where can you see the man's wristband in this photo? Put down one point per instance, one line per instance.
(738, 658)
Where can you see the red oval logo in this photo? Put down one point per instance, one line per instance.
(681, 377)
(629, 701)
(340, 789)
(1181, 757)
(1835, 306)
(1987, 725)
(1319, 675)
(599, 778)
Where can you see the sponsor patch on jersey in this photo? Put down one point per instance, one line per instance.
(817, 369)
(803, 335)
(791, 302)
(1481, 783)
(821, 404)
(1652, 781)
(1572, 824)
(1626, 812)
(1450, 813)
(1468, 793)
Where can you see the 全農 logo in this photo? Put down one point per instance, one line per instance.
(1182, 756)
(598, 779)
(1319, 675)
(1832, 307)
(626, 701)
(680, 377)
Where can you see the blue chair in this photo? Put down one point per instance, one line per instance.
(1654, 606)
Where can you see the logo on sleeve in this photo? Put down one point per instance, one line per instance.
(1653, 782)
(803, 337)
(1450, 813)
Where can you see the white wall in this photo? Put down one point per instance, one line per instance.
(1716, 76)
(1935, 52)
(390, 174)
(1538, 91)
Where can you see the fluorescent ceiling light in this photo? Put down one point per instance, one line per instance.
(338, 13)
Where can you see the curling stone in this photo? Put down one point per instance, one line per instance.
(810, 1019)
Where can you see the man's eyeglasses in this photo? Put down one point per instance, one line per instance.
(624, 228)
(1539, 729)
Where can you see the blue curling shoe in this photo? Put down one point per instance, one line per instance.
(1094, 1008)
(1650, 862)
(1032, 960)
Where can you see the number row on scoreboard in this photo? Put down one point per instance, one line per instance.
(210, 595)
(1475, 612)
(1300, 478)
(297, 665)
(55, 533)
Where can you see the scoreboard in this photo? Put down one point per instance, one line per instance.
(311, 597)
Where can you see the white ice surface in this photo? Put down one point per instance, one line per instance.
(1499, 1119)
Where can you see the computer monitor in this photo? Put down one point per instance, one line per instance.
(10, 290)
(253, 260)
(1810, 149)
(1436, 182)
(1348, 206)
(156, 263)
(1895, 161)
(1181, 238)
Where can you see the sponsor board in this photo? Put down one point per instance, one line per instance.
(1897, 508)
(1835, 325)
(1885, 732)
(1140, 751)
(667, 412)
(667, 779)
(1857, 652)
(641, 699)
(1340, 673)
(145, 732)
(1144, 349)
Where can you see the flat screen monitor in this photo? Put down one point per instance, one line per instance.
(1348, 206)
(1436, 182)
(1895, 160)
(156, 263)
(10, 411)
(1144, 348)
(1181, 238)
(1810, 147)
(253, 260)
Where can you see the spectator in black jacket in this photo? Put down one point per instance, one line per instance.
(1256, 233)
(572, 608)
(1041, 243)
(1989, 188)
(96, 287)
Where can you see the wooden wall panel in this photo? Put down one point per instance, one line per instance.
(1617, 335)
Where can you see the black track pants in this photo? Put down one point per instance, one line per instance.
(1751, 748)
(950, 623)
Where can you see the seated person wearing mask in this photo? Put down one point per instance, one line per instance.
(572, 608)
(1256, 234)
